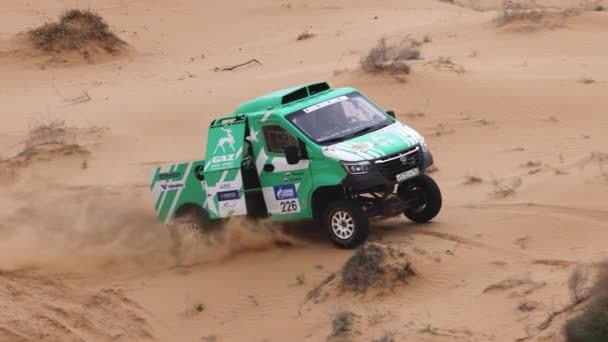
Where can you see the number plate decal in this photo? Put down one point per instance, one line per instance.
(407, 175)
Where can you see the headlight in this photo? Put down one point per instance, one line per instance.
(357, 168)
(423, 145)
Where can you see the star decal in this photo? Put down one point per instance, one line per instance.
(253, 135)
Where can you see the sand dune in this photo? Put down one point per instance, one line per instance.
(515, 115)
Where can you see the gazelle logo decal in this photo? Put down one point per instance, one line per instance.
(228, 139)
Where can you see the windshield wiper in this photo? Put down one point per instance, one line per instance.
(332, 140)
(367, 130)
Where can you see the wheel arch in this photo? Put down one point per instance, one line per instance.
(188, 208)
(323, 195)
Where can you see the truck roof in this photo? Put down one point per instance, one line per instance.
(292, 98)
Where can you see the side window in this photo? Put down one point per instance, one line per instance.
(277, 139)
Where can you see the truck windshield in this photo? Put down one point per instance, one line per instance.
(339, 119)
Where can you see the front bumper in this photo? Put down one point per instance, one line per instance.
(384, 170)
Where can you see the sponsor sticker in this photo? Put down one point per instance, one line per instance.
(169, 175)
(283, 192)
(172, 186)
(325, 104)
(226, 186)
(228, 195)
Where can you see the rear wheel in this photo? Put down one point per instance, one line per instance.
(346, 223)
(191, 227)
(426, 197)
(196, 218)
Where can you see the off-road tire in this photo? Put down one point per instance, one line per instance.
(346, 223)
(197, 218)
(431, 196)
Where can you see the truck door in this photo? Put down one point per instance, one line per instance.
(222, 172)
(286, 188)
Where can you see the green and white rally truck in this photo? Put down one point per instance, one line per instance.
(309, 152)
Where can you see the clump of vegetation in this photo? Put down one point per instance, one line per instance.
(76, 30)
(599, 8)
(592, 324)
(512, 11)
(374, 264)
(390, 58)
(341, 323)
(533, 15)
(200, 307)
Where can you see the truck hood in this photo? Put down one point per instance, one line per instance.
(377, 144)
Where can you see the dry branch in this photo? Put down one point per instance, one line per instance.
(230, 68)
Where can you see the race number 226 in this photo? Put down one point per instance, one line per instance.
(288, 206)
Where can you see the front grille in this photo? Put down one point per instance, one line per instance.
(400, 162)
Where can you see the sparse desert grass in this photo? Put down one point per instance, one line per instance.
(427, 329)
(443, 63)
(470, 180)
(592, 324)
(305, 35)
(390, 58)
(300, 279)
(76, 30)
(380, 317)
(199, 307)
(526, 305)
(341, 323)
(586, 80)
(503, 189)
(432, 169)
(386, 337)
(576, 284)
(532, 164)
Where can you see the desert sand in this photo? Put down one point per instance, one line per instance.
(516, 120)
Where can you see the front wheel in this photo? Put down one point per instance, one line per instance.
(426, 198)
(347, 223)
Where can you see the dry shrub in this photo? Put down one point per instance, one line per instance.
(76, 30)
(44, 142)
(531, 13)
(592, 324)
(375, 265)
(512, 11)
(390, 58)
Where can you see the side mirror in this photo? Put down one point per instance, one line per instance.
(292, 154)
(391, 113)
